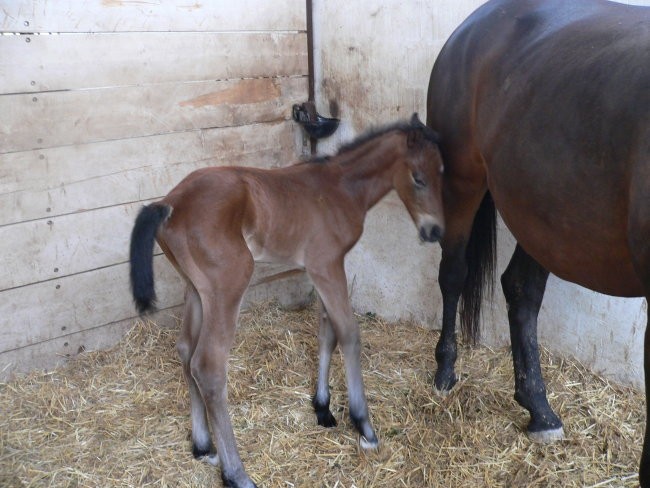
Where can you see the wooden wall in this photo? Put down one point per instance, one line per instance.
(105, 107)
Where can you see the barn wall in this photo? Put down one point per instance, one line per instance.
(105, 108)
(372, 67)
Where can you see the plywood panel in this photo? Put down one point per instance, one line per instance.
(69, 62)
(51, 182)
(172, 15)
(99, 297)
(76, 117)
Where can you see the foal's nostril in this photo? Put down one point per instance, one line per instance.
(436, 233)
(430, 234)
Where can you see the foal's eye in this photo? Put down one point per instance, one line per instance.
(418, 180)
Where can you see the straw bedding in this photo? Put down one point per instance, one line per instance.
(120, 417)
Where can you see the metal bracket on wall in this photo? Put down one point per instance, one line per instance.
(316, 126)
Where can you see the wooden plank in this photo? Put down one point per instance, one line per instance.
(52, 353)
(76, 117)
(51, 182)
(71, 62)
(46, 249)
(292, 290)
(74, 303)
(99, 297)
(172, 15)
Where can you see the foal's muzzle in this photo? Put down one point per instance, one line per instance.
(430, 232)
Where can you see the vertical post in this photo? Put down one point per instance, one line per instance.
(310, 65)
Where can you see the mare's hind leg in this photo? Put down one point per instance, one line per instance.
(326, 345)
(202, 447)
(221, 287)
(524, 282)
(331, 284)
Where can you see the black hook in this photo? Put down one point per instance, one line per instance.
(314, 124)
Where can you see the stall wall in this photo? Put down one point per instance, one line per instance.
(106, 107)
(373, 60)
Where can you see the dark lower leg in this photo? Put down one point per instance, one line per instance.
(202, 446)
(356, 393)
(326, 345)
(524, 283)
(451, 279)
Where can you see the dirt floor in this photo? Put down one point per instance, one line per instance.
(120, 418)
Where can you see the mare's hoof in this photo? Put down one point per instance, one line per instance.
(547, 436)
(442, 386)
(325, 418)
(368, 445)
(441, 393)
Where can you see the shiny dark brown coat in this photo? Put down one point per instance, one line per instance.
(543, 108)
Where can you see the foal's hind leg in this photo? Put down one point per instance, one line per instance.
(221, 287)
(524, 282)
(202, 447)
(326, 345)
(331, 284)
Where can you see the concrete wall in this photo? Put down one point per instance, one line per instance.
(373, 60)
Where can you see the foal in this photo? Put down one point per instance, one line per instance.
(218, 221)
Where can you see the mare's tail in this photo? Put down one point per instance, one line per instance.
(143, 237)
(481, 263)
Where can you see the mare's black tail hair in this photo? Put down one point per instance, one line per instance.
(481, 264)
(143, 237)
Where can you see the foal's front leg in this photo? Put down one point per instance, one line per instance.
(331, 284)
(326, 345)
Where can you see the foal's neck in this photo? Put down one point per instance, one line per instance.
(368, 170)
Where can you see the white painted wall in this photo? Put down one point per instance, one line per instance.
(373, 59)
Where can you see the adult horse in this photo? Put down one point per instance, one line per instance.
(543, 109)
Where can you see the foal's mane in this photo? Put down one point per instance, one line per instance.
(373, 133)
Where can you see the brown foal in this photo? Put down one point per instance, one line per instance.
(218, 221)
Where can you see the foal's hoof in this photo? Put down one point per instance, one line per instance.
(547, 436)
(208, 455)
(368, 445)
(233, 483)
(325, 418)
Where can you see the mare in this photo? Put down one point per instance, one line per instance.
(543, 111)
(218, 221)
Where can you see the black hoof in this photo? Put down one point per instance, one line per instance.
(230, 483)
(201, 452)
(323, 415)
(445, 381)
(325, 418)
(544, 423)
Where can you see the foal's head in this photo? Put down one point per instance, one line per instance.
(418, 180)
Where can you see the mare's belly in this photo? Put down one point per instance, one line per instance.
(570, 243)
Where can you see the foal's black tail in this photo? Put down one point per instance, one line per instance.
(481, 264)
(141, 257)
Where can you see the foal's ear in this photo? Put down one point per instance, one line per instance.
(415, 134)
(415, 120)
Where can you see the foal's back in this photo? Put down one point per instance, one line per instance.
(283, 214)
